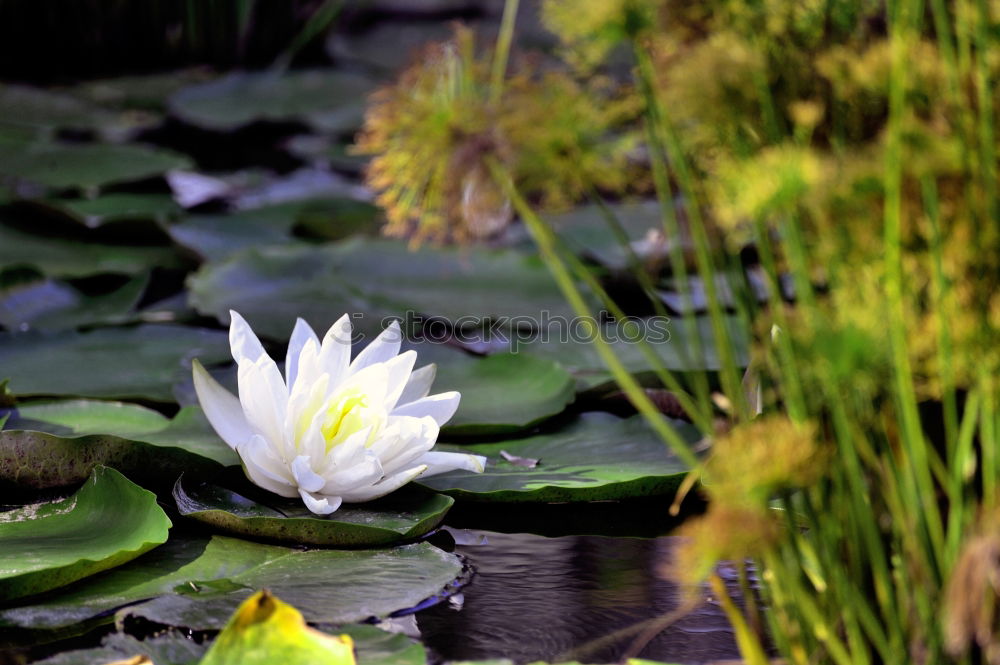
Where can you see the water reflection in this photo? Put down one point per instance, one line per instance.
(536, 598)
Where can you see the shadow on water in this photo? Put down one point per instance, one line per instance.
(536, 598)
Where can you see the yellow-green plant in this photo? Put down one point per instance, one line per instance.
(853, 143)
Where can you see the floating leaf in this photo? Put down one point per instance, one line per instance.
(597, 457)
(84, 166)
(505, 392)
(107, 522)
(215, 237)
(264, 629)
(272, 286)
(70, 258)
(403, 515)
(109, 208)
(245, 97)
(371, 645)
(196, 583)
(669, 339)
(137, 362)
(44, 112)
(47, 304)
(56, 444)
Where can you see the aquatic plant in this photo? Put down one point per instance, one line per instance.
(333, 430)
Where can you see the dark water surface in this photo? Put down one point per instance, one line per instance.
(537, 598)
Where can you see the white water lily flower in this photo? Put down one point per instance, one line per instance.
(336, 431)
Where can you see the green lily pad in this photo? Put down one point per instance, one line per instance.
(48, 304)
(586, 231)
(109, 208)
(372, 646)
(403, 515)
(669, 339)
(501, 393)
(107, 522)
(137, 362)
(55, 444)
(71, 258)
(272, 286)
(84, 166)
(197, 583)
(43, 112)
(215, 237)
(598, 457)
(245, 97)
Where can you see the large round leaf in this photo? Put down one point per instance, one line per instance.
(107, 522)
(380, 278)
(84, 166)
(70, 258)
(372, 646)
(59, 443)
(403, 515)
(669, 339)
(109, 208)
(597, 457)
(198, 583)
(47, 304)
(142, 361)
(44, 112)
(502, 393)
(242, 98)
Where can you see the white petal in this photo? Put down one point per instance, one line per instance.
(419, 384)
(440, 462)
(383, 348)
(309, 369)
(305, 477)
(265, 400)
(404, 441)
(300, 335)
(440, 407)
(335, 354)
(263, 469)
(221, 407)
(399, 368)
(365, 473)
(320, 506)
(242, 340)
(390, 484)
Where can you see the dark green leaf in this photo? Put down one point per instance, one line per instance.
(597, 457)
(107, 522)
(403, 515)
(142, 361)
(198, 583)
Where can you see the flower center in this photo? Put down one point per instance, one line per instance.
(348, 415)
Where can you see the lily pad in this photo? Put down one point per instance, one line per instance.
(466, 287)
(403, 515)
(107, 522)
(265, 629)
(216, 237)
(137, 362)
(71, 258)
(245, 97)
(56, 444)
(586, 231)
(84, 166)
(669, 339)
(598, 457)
(48, 304)
(502, 393)
(109, 208)
(372, 646)
(197, 583)
(44, 112)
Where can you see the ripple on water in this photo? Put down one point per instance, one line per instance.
(536, 598)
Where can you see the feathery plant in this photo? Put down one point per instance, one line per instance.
(852, 144)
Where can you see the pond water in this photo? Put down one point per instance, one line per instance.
(585, 598)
